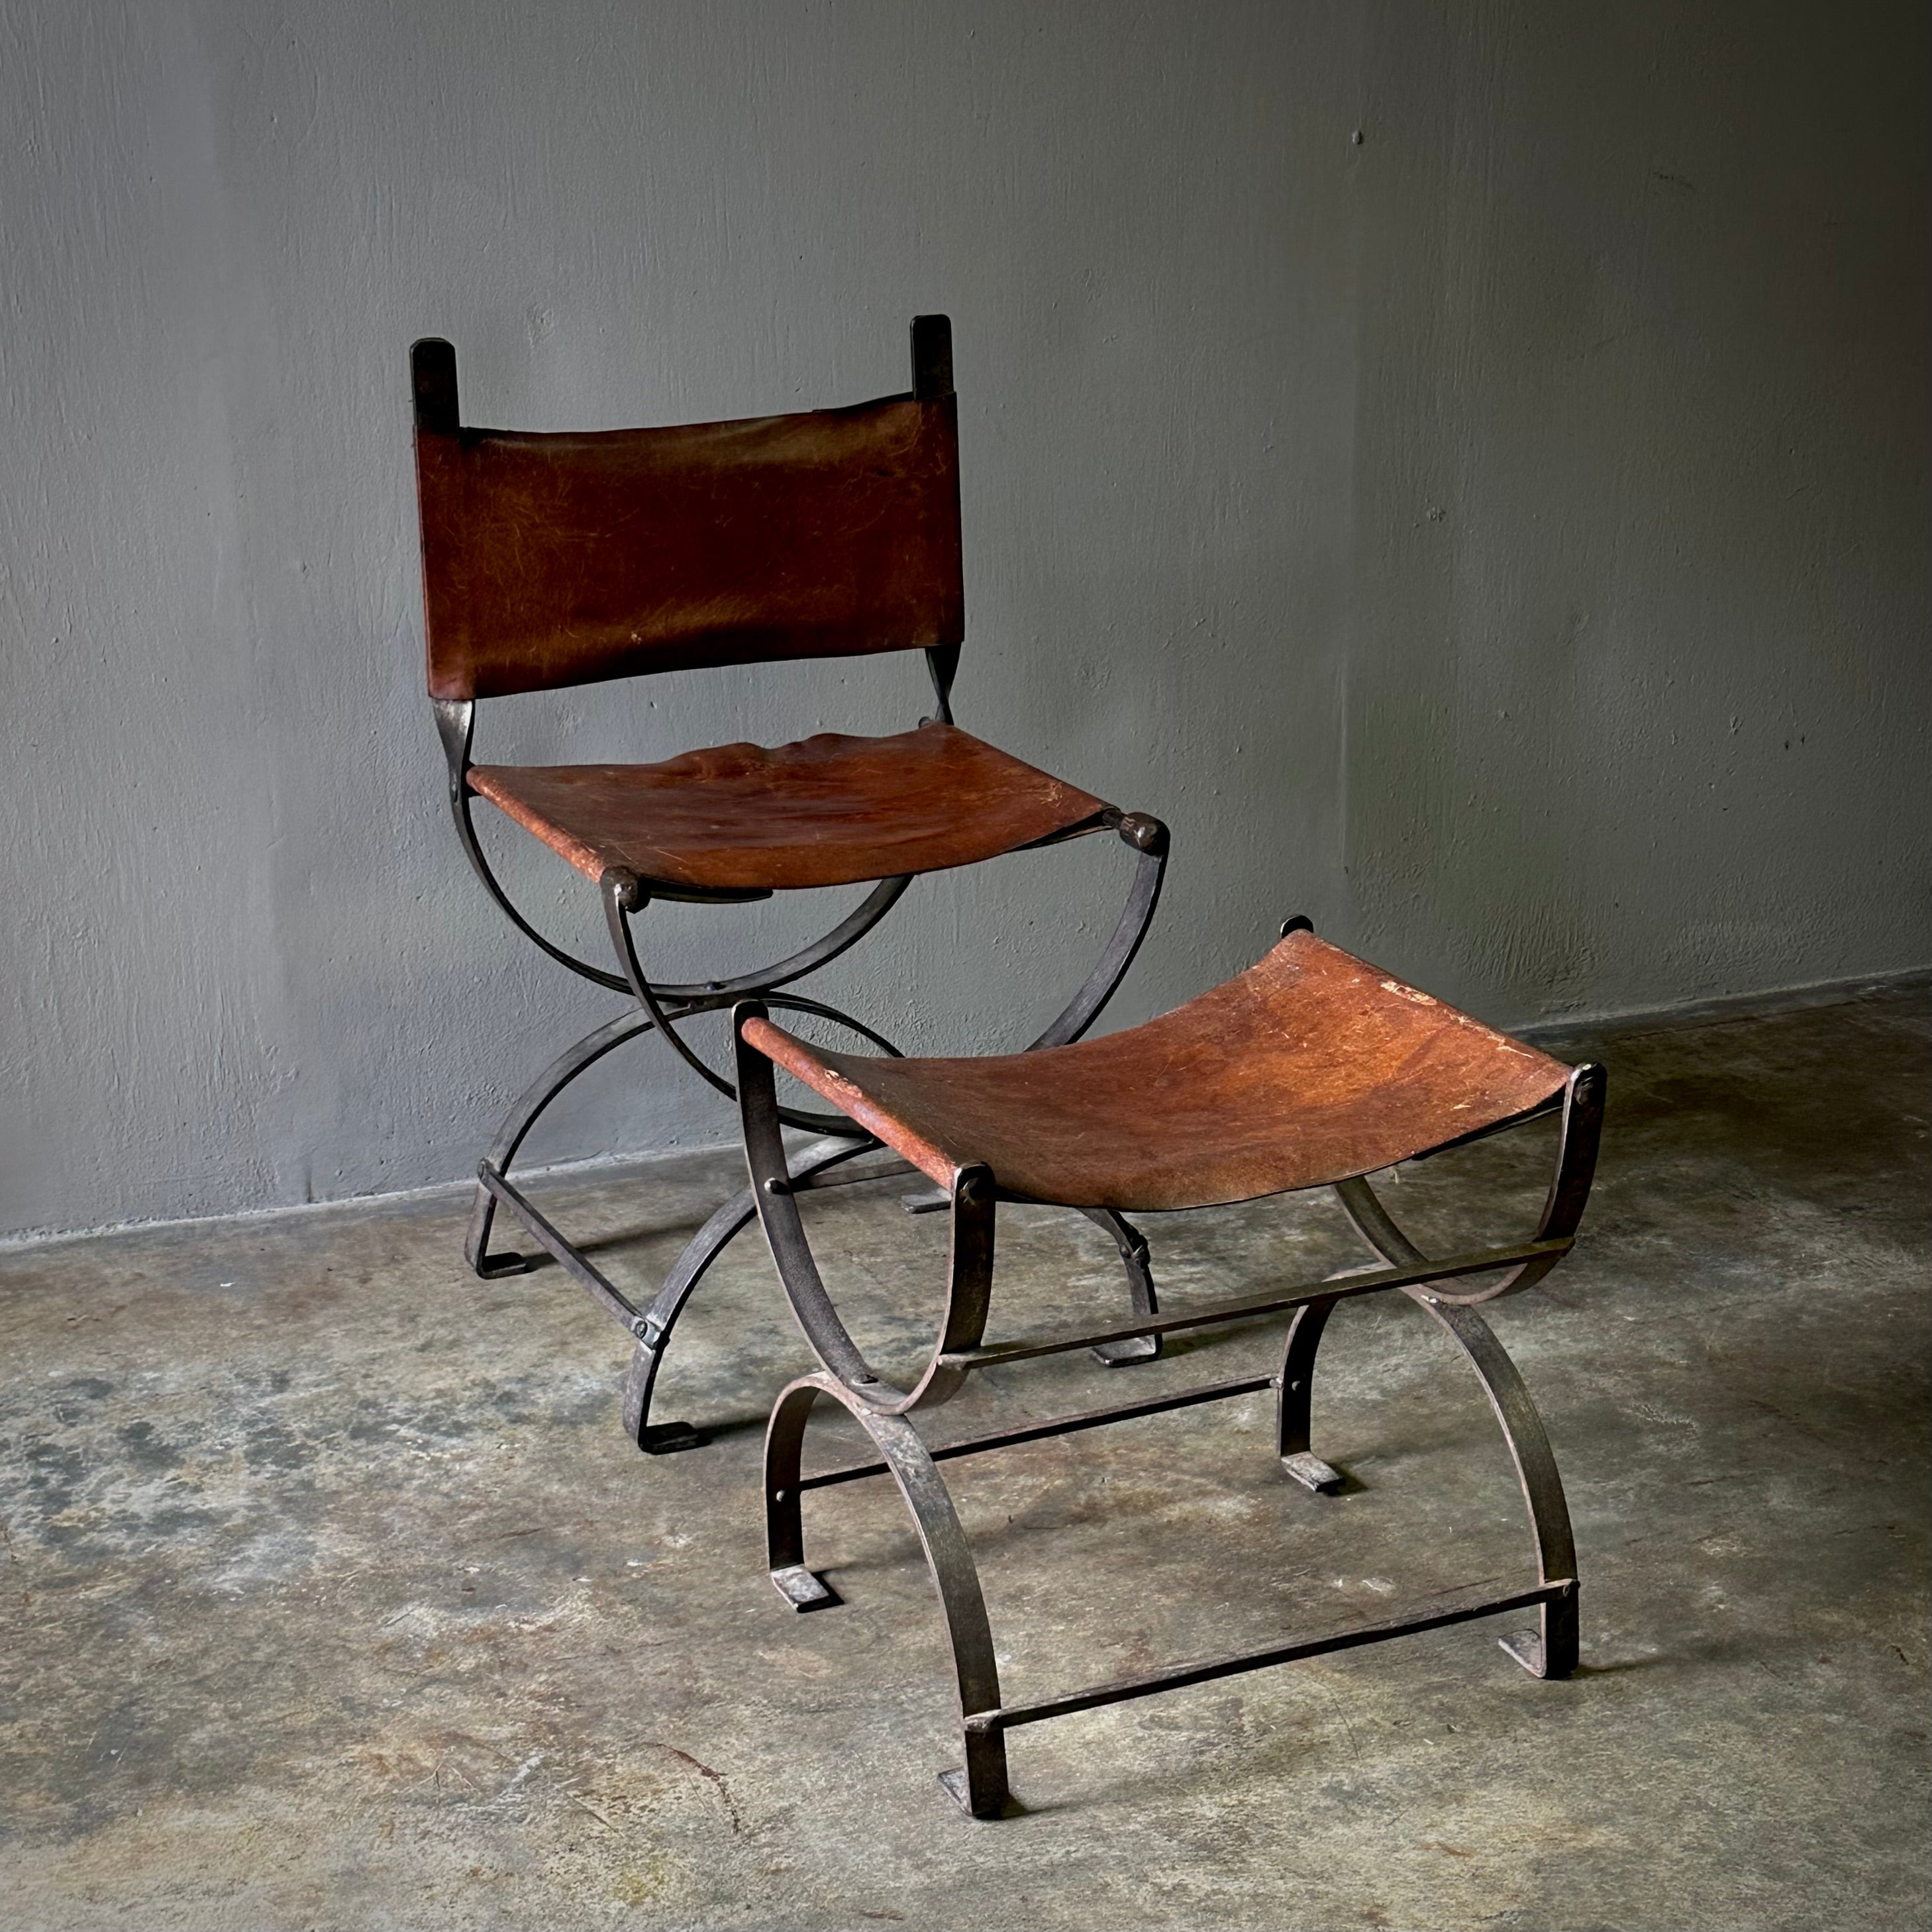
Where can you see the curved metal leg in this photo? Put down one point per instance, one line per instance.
(661, 1318)
(517, 1123)
(1132, 1244)
(1550, 1650)
(1582, 1121)
(1149, 838)
(1133, 1247)
(664, 1004)
(962, 1322)
(1294, 1396)
(981, 1786)
(624, 894)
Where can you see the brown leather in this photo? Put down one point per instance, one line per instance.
(560, 559)
(830, 811)
(1308, 1068)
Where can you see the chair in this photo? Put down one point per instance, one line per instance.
(1313, 1069)
(558, 559)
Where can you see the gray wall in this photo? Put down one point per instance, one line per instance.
(1503, 538)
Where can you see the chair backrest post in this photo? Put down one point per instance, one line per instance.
(932, 380)
(433, 375)
(931, 357)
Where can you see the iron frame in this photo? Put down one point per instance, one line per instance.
(662, 1006)
(1439, 1284)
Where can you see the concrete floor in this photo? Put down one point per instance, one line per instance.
(333, 1596)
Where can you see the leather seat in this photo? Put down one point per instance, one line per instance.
(828, 811)
(1310, 1068)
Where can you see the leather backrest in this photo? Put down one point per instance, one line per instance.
(561, 559)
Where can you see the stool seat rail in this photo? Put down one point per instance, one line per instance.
(1062, 1425)
(992, 1354)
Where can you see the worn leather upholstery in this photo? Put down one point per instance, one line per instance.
(553, 559)
(830, 811)
(1309, 1068)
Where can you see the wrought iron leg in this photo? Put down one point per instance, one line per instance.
(1147, 837)
(624, 895)
(704, 1247)
(1296, 1391)
(1550, 1650)
(1132, 1244)
(1133, 1247)
(523, 1116)
(980, 1786)
(455, 724)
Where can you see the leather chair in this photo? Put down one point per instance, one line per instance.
(552, 560)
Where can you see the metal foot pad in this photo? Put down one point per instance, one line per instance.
(492, 1267)
(1124, 1354)
(927, 1201)
(804, 1589)
(954, 1783)
(1526, 1647)
(668, 1438)
(1312, 1473)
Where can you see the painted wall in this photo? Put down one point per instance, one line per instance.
(1502, 536)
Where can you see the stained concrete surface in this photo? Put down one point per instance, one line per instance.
(332, 1596)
